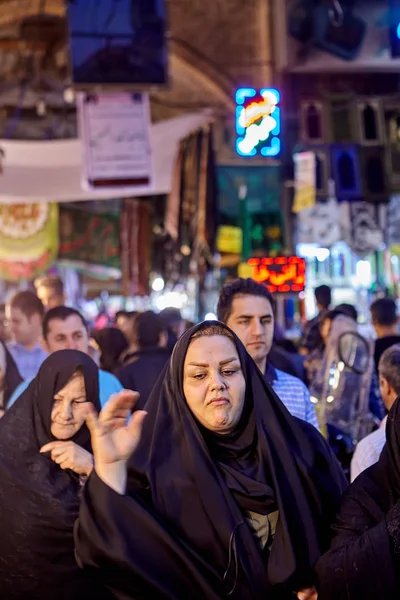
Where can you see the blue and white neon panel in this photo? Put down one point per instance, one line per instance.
(258, 122)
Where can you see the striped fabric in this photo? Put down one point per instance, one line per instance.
(294, 395)
(368, 451)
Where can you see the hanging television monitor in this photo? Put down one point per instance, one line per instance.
(118, 44)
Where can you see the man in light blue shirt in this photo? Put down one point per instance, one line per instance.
(247, 308)
(64, 328)
(24, 315)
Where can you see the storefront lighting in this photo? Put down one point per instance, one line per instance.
(210, 317)
(313, 251)
(280, 274)
(171, 300)
(158, 284)
(258, 122)
(363, 274)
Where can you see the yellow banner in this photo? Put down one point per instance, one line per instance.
(245, 270)
(229, 239)
(28, 239)
(305, 183)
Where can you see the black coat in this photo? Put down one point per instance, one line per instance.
(143, 370)
(362, 563)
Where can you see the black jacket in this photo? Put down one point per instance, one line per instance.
(143, 370)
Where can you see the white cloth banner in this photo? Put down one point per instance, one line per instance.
(51, 171)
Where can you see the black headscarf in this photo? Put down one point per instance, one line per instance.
(200, 485)
(12, 378)
(39, 502)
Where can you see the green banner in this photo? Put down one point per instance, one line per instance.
(90, 239)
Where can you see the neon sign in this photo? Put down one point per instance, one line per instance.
(258, 122)
(280, 274)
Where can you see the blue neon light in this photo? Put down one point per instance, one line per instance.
(261, 136)
(398, 31)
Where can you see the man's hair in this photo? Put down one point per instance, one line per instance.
(348, 310)
(383, 312)
(129, 314)
(389, 367)
(28, 303)
(54, 282)
(171, 316)
(323, 295)
(239, 287)
(147, 328)
(60, 313)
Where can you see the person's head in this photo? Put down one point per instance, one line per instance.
(348, 310)
(149, 330)
(111, 343)
(124, 322)
(173, 321)
(64, 328)
(24, 314)
(247, 308)
(65, 383)
(50, 289)
(68, 411)
(389, 375)
(4, 330)
(384, 316)
(323, 297)
(213, 382)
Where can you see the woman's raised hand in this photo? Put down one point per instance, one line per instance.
(115, 435)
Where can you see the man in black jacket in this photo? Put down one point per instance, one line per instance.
(145, 365)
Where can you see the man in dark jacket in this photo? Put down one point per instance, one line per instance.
(145, 365)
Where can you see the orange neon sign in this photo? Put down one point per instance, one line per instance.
(281, 274)
(256, 111)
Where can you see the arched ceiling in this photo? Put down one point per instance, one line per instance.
(214, 47)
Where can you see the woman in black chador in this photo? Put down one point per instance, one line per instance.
(45, 456)
(225, 494)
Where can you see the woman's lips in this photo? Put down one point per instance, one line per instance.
(219, 401)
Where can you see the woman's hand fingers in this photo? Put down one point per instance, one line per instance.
(120, 405)
(52, 446)
(91, 418)
(136, 421)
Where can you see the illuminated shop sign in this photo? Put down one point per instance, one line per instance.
(258, 122)
(280, 274)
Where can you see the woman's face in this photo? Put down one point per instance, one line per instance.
(67, 415)
(213, 383)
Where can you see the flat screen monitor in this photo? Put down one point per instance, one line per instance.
(118, 44)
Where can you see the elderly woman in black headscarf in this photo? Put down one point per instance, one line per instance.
(225, 494)
(45, 454)
(364, 560)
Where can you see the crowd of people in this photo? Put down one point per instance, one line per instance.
(166, 460)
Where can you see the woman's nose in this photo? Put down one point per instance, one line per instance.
(217, 382)
(66, 410)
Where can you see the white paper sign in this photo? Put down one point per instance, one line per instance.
(115, 131)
